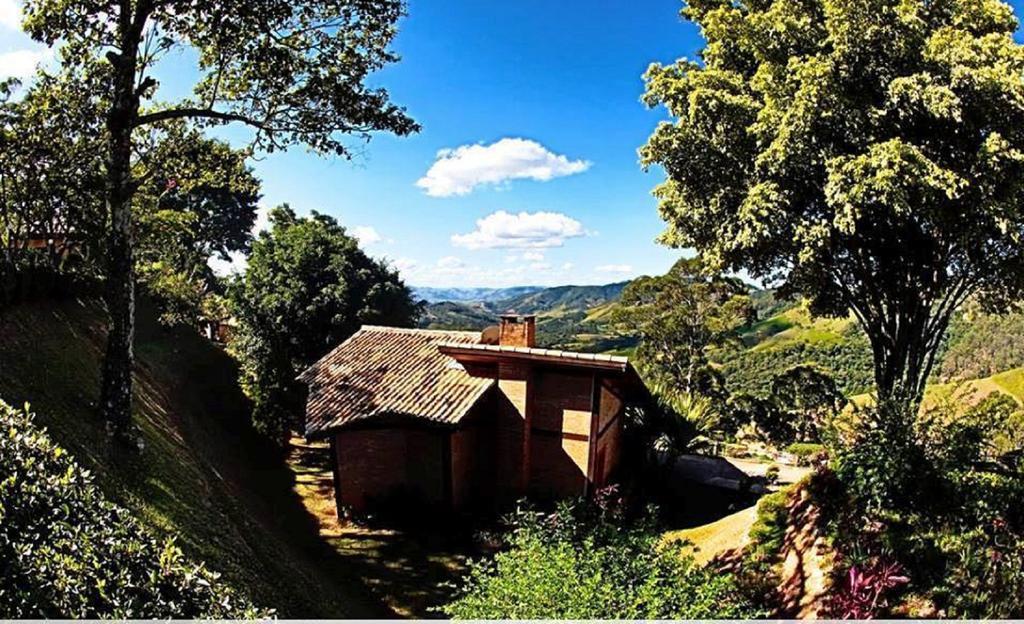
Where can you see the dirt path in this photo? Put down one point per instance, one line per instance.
(806, 557)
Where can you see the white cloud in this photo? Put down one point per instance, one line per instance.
(236, 264)
(406, 264)
(10, 14)
(534, 256)
(450, 262)
(567, 266)
(540, 266)
(22, 63)
(366, 234)
(531, 230)
(458, 171)
(615, 268)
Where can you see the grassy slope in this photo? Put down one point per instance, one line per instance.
(203, 475)
(970, 391)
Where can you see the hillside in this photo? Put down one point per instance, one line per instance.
(202, 476)
(563, 315)
(469, 295)
(979, 347)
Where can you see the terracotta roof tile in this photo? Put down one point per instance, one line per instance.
(569, 357)
(387, 371)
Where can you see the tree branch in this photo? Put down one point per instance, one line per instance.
(193, 113)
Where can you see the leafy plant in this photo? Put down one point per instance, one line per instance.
(584, 562)
(67, 552)
(865, 590)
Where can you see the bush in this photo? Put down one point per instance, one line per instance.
(926, 493)
(805, 452)
(578, 563)
(67, 552)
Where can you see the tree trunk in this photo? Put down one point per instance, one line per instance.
(904, 352)
(116, 393)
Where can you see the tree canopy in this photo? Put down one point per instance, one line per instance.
(293, 72)
(307, 288)
(679, 317)
(868, 154)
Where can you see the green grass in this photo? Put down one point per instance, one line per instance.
(1011, 382)
(720, 536)
(203, 475)
(795, 325)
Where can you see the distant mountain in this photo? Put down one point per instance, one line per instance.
(561, 297)
(563, 314)
(470, 295)
(457, 315)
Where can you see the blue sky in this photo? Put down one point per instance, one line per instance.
(542, 98)
(559, 81)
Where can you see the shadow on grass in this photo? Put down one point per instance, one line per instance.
(205, 477)
(408, 566)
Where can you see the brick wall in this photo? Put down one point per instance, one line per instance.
(510, 430)
(560, 433)
(608, 449)
(402, 462)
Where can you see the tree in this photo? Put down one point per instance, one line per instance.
(307, 288)
(50, 171)
(868, 154)
(293, 72)
(197, 200)
(679, 317)
(808, 397)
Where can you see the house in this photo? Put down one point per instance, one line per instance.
(460, 419)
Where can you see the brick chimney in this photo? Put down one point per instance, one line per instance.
(517, 330)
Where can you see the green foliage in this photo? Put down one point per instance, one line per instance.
(197, 200)
(768, 532)
(984, 573)
(307, 288)
(805, 452)
(744, 409)
(809, 397)
(848, 362)
(70, 553)
(50, 181)
(864, 154)
(679, 317)
(581, 564)
(926, 491)
(980, 345)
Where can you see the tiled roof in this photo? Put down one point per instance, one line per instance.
(590, 360)
(386, 371)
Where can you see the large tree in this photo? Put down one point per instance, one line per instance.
(292, 71)
(307, 287)
(868, 154)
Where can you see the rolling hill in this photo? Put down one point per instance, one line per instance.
(981, 349)
(469, 295)
(563, 315)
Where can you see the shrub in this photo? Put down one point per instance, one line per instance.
(805, 452)
(984, 573)
(582, 562)
(926, 495)
(67, 552)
